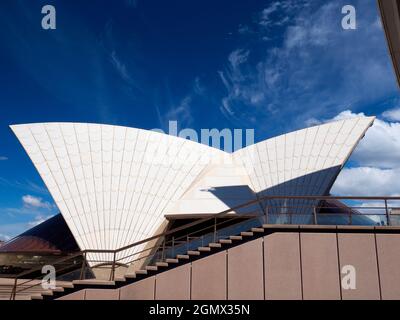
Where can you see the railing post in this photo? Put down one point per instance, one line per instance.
(350, 217)
(81, 277)
(215, 229)
(163, 250)
(112, 275)
(14, 289)
(387, 214)
(315, 215)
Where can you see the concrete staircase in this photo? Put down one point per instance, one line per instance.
(66, 288)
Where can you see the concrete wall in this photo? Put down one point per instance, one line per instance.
(286, 264)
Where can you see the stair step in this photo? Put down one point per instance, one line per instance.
(37, 297)
(225, 241)
(235, 237)
(47, 293)
(182, 256)
(67, 285)
(172, 260)
(94, 282)
(257, 229)
(204, 249)
(151, 268)
(193, 253)
(58, 289)
(120, 279)
(215, 245)
(130, 276)
(247, 234)
(141, 272)
(161, 264)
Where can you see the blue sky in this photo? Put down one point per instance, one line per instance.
(274, 66)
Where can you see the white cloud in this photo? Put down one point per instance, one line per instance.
(35, 202)
(4, 237)
(393, 114)
(368, 181)
(34, 211)
(376, 160)
(3, 158)
(380, 147)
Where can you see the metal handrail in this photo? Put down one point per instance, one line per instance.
(229, 213)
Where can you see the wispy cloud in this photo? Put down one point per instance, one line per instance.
(120, 67)
(181, 111)
(26, 185)
(314, 69)
(3, 158)
(36, 202)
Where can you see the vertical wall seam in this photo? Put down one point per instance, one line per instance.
(377, 266)
(155, 288)
(226, 276)
(301, 268)
(263, 262)
(190, 280)
(339, 269)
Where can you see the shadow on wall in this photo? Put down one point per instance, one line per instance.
(281, 211)
(233, 196)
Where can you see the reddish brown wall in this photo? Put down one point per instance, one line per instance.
(389, 264)
(287, 264)
(245, 271)
(320, 266)
(282, 266)
(359, 251)
(209, 277)
(173, 284)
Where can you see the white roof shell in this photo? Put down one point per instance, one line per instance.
(114, 185)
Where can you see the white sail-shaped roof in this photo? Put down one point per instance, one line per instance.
(114, 185)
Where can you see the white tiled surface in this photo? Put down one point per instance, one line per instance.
(113, 185)
(303, 162)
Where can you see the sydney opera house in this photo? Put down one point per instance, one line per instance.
(115, 185)
(142, 211)
(150, 216)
